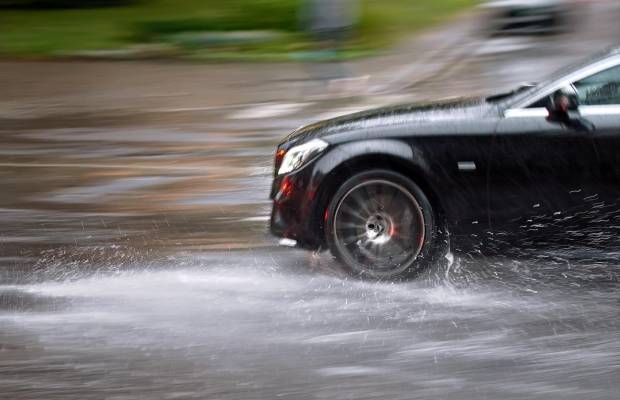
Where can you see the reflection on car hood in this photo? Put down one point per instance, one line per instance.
(414, 114)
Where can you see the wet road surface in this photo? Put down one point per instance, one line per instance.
(135, 264)
(266, 324)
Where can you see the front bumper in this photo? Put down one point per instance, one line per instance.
(296, 213)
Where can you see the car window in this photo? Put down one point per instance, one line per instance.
(602, 88)
(544, 101)
(541, 103)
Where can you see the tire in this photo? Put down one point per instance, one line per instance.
(380, 225)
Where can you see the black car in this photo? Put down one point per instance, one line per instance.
(388, 190)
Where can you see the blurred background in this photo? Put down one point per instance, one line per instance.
(136, 154)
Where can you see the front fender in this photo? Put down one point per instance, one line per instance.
(389, 149)
(345, 160)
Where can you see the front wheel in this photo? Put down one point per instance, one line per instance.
(380, 225)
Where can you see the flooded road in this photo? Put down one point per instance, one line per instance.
(268, 324)
(135, 264)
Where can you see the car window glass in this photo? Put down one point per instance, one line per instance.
(542, 103)
(602, 88)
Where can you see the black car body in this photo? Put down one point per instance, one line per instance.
(495, 170)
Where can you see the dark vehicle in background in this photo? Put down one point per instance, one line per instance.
(387, 190)
(531, 16)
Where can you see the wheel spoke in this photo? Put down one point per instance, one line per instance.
(392, 198)
(350, 211)
(350, 225)
(381, 251)
(353, 239)
(362, 202)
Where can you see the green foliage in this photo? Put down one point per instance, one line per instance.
(235, 15)
(27, 32)
(270, 14)
(51, 4)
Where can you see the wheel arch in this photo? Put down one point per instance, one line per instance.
(404, 164)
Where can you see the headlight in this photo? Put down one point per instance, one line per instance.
(297, 156)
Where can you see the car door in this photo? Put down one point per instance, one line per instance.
(553, 181)
(599, 98)
(541, 177)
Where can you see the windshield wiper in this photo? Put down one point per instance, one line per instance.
(522, 87)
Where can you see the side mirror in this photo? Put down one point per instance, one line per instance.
(563, 108)
(563, 101)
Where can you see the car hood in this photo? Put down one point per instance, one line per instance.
(414, 114)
